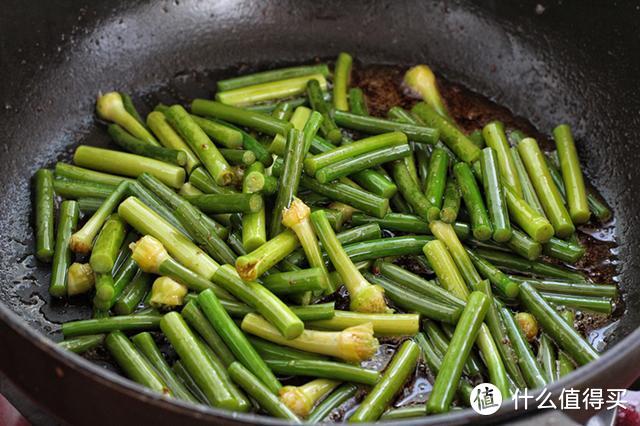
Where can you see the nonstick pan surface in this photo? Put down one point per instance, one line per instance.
(570, 61)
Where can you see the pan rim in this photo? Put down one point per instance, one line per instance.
(622, 350)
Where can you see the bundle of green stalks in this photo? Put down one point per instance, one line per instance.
(229, 228)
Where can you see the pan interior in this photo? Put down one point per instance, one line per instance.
(524, 60)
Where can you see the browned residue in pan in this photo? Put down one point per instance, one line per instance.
(383, 89)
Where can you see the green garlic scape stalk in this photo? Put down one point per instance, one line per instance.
(167, 293)
(80, 278)
(301, 399)
(296, 217)
(149, 254)
(152, 257)
(253, 265)
(364, 297)
(111, 107)
(528, 324)
(353, 344)
(421, 80)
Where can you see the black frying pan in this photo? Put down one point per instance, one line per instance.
(573, 61)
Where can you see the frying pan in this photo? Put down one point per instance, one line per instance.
(564, 61)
